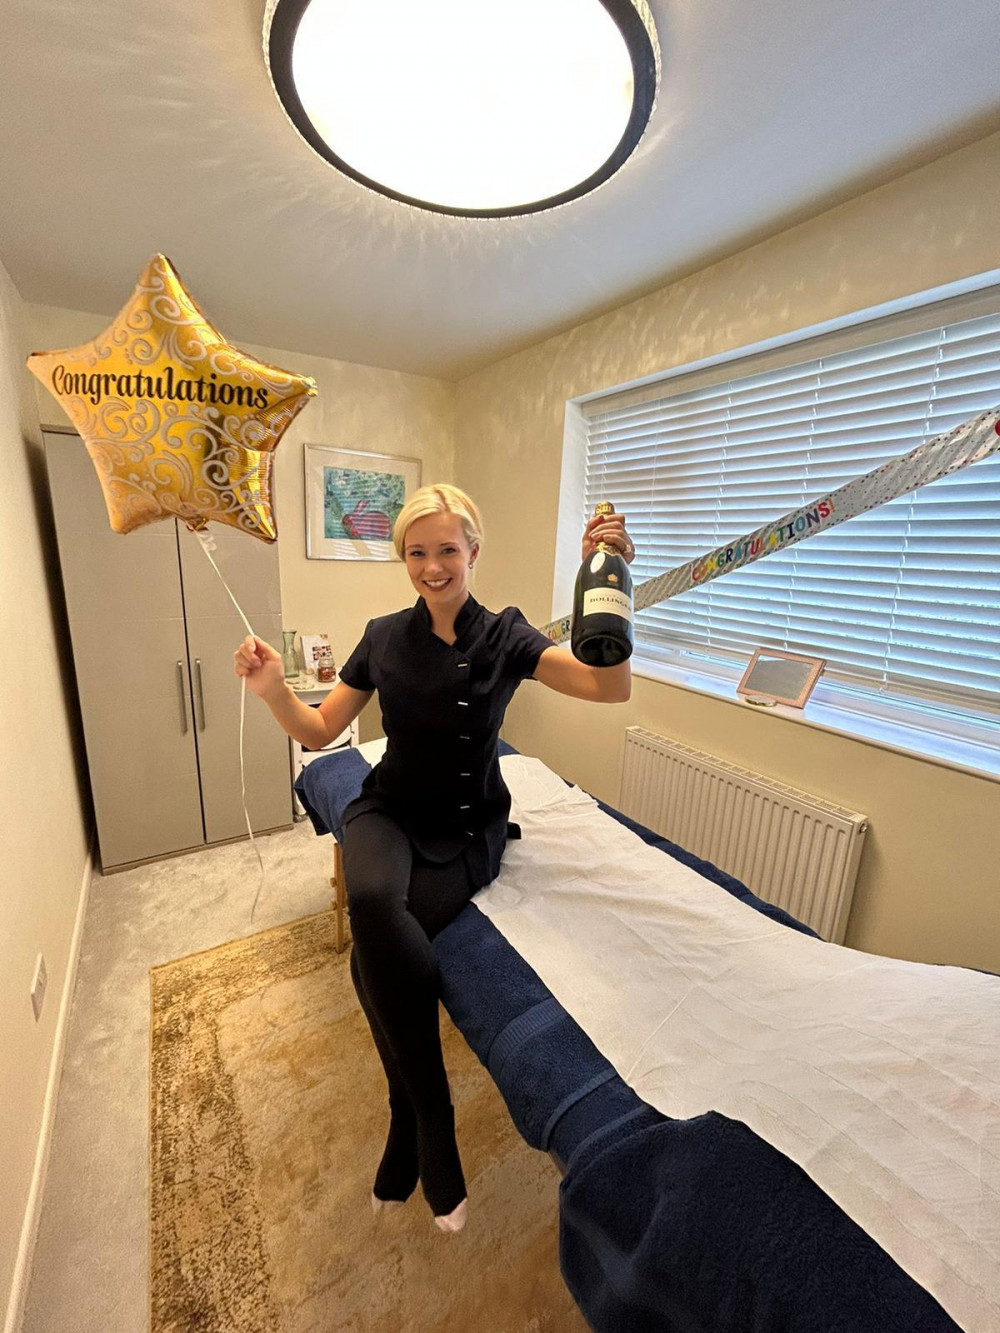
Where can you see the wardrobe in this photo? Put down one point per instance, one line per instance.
(153, 634)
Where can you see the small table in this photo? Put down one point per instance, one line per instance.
(312, 692)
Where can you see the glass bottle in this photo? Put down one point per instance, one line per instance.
(288, 658)
(602, 633)
(325, 669)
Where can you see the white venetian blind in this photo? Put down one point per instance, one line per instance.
(903, 600)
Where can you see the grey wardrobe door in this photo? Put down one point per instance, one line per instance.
(215, 630)
(123, 597)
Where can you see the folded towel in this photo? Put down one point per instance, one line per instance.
(678, 1226)
(328, 785)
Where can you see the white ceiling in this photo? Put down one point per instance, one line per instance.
(131, 128)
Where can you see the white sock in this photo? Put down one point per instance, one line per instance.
(454, 1221)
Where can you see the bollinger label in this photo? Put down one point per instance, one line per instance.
(608, 602)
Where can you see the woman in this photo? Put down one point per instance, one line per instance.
(430, 825)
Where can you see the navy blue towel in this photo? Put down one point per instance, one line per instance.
(328, 785)
(686, 1226)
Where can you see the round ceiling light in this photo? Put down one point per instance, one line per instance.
(466, 107)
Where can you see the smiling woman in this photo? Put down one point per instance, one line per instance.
(480, 111)
(430, 825)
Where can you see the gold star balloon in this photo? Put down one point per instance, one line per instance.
(178, 422)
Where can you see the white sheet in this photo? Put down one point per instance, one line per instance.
(880, 1078)
(374, 750)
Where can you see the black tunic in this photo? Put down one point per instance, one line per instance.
(442, 706)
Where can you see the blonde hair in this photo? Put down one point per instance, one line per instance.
(438, 499)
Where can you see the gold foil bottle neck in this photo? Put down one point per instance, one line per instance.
(605, 507)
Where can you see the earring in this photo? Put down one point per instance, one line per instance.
(471, 563)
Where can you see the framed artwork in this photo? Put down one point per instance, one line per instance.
(775, 677)
(352, 500)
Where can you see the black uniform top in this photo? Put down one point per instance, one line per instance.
(442, 706)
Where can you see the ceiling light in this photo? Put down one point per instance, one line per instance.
(482, 108)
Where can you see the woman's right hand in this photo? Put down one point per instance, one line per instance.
(261, 665)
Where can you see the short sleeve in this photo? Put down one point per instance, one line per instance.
(356, 671)
(525, 645)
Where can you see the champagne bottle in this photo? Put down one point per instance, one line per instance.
(602, 633)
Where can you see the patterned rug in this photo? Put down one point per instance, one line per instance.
(267, 1119)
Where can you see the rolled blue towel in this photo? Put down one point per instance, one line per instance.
(540, 1059)
(684, 1226)
(328, 785)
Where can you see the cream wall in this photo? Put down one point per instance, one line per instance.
(928, 886)
(357, 407)
(44, 813)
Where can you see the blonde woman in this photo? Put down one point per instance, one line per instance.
(430, 825)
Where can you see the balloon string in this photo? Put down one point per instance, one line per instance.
(208, 546)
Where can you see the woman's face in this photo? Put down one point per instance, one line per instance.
(437, 556)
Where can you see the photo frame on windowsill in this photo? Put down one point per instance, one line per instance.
(352, 500)
(776, 677)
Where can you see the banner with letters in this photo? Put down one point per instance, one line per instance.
(971, 442)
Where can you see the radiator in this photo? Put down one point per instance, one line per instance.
(789, 848)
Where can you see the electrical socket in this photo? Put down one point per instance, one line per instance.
(38, 985)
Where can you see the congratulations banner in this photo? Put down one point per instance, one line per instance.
(971, 442)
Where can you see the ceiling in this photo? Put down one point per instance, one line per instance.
(129, 129)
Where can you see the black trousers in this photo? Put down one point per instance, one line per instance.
(398, 902)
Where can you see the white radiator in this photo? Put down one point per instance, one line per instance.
(789, 848)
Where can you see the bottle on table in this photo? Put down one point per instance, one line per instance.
(288, 658)
(325, 669)
(602, 633)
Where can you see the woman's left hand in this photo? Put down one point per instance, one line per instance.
(610, 529)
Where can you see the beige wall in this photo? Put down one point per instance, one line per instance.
(357, 407)
(928, 887)
(43, 810)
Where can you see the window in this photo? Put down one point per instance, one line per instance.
(903, 601)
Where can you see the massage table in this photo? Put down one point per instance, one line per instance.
(692, 1225)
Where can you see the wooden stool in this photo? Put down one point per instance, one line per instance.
(342, 935)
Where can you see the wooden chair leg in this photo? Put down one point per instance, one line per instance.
(339, 899)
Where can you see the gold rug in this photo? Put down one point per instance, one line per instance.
(268, 1115)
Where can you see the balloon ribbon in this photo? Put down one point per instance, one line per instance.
(208, 546)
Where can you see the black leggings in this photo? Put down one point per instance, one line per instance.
(398, 902)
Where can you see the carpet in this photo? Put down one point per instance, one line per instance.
(268, 1115)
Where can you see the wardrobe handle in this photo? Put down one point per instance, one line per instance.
(201, 693)
(180, 690)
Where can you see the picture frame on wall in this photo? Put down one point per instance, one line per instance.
(352, 499)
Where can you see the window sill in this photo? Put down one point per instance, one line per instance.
(980, 759)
